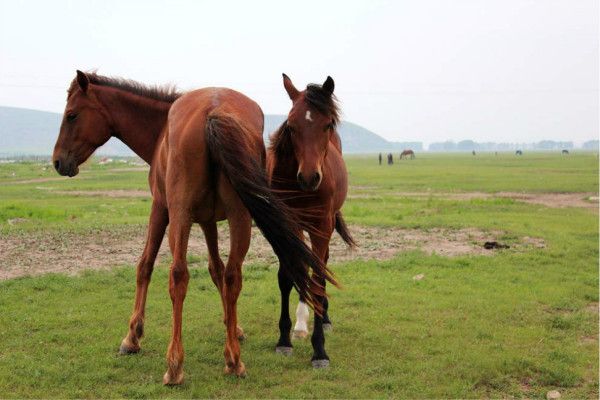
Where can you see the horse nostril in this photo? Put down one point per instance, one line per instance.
(317, 178)
(56, 164)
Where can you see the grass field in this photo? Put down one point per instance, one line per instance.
(517, 323)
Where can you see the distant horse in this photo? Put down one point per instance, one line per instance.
(390, 159)
(207, 158)
(407, 153)
(307, 171)
(565, 151)
(519, 153)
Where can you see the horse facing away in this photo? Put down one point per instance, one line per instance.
(207, 163)
(306, 169)
(407, 153)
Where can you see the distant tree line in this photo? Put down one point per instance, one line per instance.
(470, 145)
(591, 145)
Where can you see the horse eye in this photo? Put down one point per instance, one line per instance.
(71, 117)
(328, 127)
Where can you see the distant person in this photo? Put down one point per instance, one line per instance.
(379, 158)
(390, 157)
(473, 152)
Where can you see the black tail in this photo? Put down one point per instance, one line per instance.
(230, 147)
(342, 229)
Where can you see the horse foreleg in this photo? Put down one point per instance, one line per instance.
(239, 228)
(284, 345)
(216, 267)
(320, 245)
(179, 277)
(159, 220)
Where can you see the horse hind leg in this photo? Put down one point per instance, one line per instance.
(327, 324)
(216, 267)
(239, 226)
(179, 233)
(156, 230)
(302, 315)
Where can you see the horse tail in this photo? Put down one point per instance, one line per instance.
(342, 229)
(229, 147)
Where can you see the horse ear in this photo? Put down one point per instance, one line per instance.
(290, 88)
(328, 85)
(82, 80)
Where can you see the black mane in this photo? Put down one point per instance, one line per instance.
(167, 93)
(325, 102)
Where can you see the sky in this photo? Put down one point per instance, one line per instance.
(421, 70)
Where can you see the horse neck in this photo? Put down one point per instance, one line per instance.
(137, 121)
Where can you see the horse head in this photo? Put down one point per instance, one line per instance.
(84, 128)
(311, 123)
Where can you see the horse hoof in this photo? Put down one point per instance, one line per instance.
(300, 334)
(239, 370)
(170, 380)
(318, 364)
(127, 348)
(327, 326)
(285, 350)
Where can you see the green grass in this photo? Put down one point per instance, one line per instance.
(532, 172)
(518, 323)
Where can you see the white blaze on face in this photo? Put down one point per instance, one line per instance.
(307, 116)
(302, 315)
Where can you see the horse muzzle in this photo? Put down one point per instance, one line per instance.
(66, 167)
(311, 184)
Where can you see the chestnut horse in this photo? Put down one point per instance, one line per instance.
(306, 169)
(207, 163)
(407, 153)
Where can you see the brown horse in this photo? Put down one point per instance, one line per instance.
(407, 153)
(307, 171)
(207, 160)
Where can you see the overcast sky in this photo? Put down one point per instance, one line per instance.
(425, 70)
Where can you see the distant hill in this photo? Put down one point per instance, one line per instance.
(355, 138)
(24, 132)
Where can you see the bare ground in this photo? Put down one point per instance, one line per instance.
(40, 252)
(554, 200)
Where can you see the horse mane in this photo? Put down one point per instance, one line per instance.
(280, 141)
(164, 93)
(326, 103)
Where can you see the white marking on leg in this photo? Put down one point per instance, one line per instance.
(307, 116)
(302, 314)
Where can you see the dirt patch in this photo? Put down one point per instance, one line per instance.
(105, 193)
(553, 200)
(593, 308)
(41, 252)
(37, 180)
